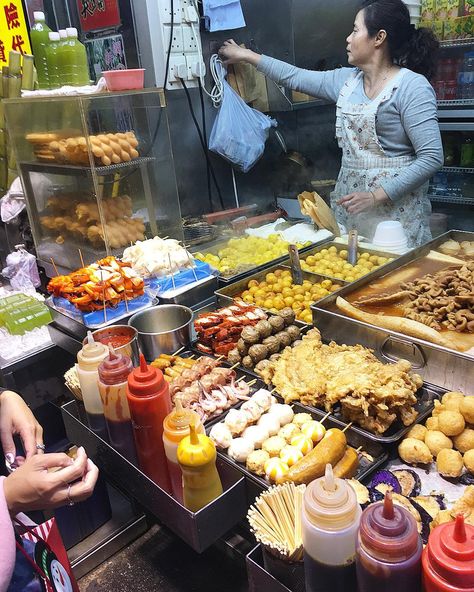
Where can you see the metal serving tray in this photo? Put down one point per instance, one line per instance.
(260, 579)
(226, 280)
(226, 295)
(354, 439)
(191, 297)
(198, 529)
(77, 329)
(341, 247)
(438, 365)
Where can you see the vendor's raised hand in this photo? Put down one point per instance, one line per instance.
(231, 53)
(33, 487)
(17, 418)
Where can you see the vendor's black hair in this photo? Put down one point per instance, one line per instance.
(409, 47)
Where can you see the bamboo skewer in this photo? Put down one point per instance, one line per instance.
(347, 427)
(80, 257)
(54, 265)
(178, 351)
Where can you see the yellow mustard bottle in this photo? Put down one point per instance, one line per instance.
(197, 459)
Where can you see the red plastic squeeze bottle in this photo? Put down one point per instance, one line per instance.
(113, 374)
(388, 554)
(150, 402)
(448, 558)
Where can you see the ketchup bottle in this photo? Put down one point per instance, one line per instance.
(150, 402)
(113, 374)
(388, 549)
(448, 558)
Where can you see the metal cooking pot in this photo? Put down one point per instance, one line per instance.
(162, 329)
(130, 348)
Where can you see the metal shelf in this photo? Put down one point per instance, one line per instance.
(457, 103)
(448, 43)
(466, 201)
(463, 170)
(61, 169)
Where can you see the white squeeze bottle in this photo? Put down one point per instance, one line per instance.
(89, 359)
(330, 520)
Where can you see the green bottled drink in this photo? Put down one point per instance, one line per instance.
(73, 60)
(40, 40)
(52, 57)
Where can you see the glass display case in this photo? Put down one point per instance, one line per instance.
(98, 173)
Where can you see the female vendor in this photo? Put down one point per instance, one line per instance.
(386, 117)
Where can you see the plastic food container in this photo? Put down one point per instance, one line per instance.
(125, 79)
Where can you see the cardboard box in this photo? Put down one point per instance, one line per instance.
(428, 9)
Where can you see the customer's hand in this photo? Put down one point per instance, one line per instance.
(32, 487)
(17, 418)
(231, 53)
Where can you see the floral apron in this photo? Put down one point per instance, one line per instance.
(365, 164)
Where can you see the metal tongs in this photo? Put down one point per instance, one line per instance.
(352, 245)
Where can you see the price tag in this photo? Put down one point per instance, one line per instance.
(352, 247)
(295, 264)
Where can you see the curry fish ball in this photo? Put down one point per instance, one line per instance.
(469, 461)
(418, 432)
(437, 441)
(432, 423)
(466, 408)
(451, 423)
(464, 441)
(413, 451)
(449, 463)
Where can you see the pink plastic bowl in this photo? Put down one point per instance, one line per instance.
(124, 79)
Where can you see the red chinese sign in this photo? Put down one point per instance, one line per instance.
(98, 14)
(13, 30)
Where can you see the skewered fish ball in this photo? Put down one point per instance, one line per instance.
(275, 357)
(272, 343)
(264, 329)
(303, 443)
(275, 469)
(236, 421)
(291, 455)
(288, 315)
(283, 412)
(221, 436)
(260, 367)
(258, 352)
(242, 347)
(247, 362)
(256, 462)
(234, 356)
(255, 434)
(294, 332)
(263, 399)
(250, 335)
(277, 323)
(274, 445)
(240, 449)
(314, 430)
(270, 423)
(284, 338)
(301, 418)
(288, 431)
(252, 411)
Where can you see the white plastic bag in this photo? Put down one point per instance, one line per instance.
(22, 270)
(239, 132)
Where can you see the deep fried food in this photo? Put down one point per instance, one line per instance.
(449, 463)
(451, 423)
(466, 408)
(414, 451)
(370, 393)
(437, 441)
